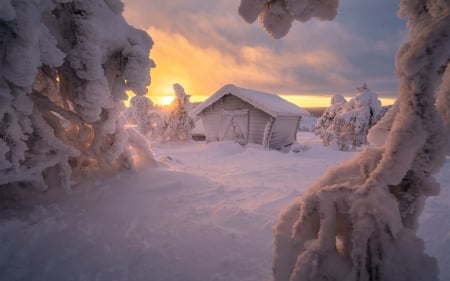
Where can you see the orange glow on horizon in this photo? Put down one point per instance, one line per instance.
(323, 100)
(387, 101)
(165, 100)
(176, 61)
(306, 101)
(202, 71)
(157, 100)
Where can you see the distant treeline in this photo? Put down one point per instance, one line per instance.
(316, 111)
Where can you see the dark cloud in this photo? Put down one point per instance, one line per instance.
(372, 19)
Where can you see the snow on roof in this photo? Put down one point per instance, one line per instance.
(269, 103)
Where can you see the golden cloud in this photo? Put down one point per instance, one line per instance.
(201, 71)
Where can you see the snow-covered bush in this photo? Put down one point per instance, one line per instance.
(179, 123)
(345, 125)
(64, 69)
(147, 118)
(325, 121)
(162, 123)
(359, 221)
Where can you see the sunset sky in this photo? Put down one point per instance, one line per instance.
(204, 44)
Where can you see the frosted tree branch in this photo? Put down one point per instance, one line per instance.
(359, 221)
(64, 71)
(276, 16)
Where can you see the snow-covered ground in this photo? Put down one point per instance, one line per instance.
(204, 214)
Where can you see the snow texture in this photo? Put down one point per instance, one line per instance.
(64, 71)
(207, 216)
(204, 214)
(272, 104)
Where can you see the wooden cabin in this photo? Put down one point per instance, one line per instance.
(248, 116)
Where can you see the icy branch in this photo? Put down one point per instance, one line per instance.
(277, 16)
(359, 221)
(64, 71)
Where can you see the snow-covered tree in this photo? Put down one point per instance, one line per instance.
(359, 221)
(325, 121)
(179, 124)
(147, 119)
(138, 113)
(162, 123)
(345, 125)
(64, 69)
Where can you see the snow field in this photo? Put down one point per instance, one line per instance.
(205, 214)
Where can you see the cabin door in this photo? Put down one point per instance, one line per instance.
(235, 126)
(212, 122)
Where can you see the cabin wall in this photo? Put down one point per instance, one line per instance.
(284, 131)
(257, 119)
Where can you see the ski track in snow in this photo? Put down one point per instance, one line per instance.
(205, 214)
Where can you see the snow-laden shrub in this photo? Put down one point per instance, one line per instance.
(146, 118)
(162, 124)
(325, 121)
(345, 125)
(179, 122)
(63, 74)
(359, 221)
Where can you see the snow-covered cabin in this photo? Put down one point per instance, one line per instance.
(248, 116)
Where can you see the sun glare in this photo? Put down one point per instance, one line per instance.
(164, 100)
(159, 100)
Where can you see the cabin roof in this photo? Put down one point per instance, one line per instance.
(272, 104)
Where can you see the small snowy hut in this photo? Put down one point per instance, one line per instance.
(248, 116)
